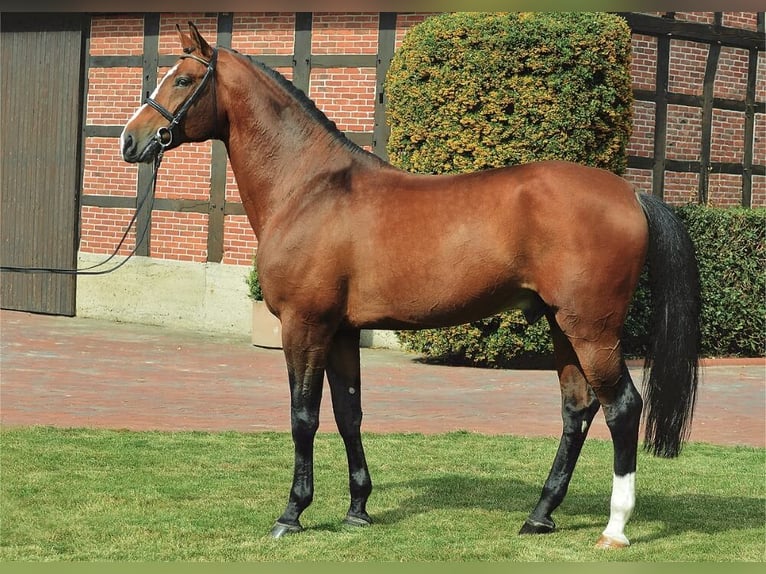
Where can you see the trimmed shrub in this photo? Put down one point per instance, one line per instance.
(732, 255)
(470, 91)
(254, 283)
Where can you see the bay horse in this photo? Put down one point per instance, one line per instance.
(347, 241)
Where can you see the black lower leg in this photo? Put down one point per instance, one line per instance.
(345, 386)
(577, 419)
(623, 417)
(302, 490)
(578, 407)
(304, 418)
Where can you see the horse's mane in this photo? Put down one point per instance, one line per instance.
(306, 103)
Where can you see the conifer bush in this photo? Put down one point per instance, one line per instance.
(470, 91)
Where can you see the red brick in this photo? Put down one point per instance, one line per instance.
(681, 188)
(724, 190)
(728, 137)
(731, 76)
(115, 35)
(684, 132)
(687, 67)
(271, 33)
(758, 195)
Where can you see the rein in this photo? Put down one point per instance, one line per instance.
(164, 138)
(90, 270)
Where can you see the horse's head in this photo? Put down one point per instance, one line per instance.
(181, 109)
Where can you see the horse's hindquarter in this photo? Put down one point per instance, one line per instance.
(431, 251)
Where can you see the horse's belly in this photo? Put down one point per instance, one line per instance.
(423, 311)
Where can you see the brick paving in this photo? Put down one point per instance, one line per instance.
(74, 372)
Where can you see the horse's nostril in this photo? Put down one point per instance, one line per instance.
(128, 147)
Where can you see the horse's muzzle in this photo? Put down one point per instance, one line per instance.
(132, 153)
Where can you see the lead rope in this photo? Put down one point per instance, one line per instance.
(89, 270)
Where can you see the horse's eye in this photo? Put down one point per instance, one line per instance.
(183, 81)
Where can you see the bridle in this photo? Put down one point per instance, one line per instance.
(164, 138)
(167, 134)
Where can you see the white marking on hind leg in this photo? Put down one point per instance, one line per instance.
(622, 504)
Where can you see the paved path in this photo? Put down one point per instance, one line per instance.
(74, 372)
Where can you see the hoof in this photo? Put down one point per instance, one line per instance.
(279, 529)
(609, 542)
(357, 521)
(533, 526)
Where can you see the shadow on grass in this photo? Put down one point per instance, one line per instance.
(703, 513)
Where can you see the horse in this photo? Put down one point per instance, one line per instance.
(349, 242)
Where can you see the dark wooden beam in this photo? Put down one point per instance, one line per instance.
(149, 82)
(711, 67)
(302, 54)
(386, 46)
(661, 116)
(694, 31)
(750, 111)
(216, 205)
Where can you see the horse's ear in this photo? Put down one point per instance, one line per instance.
(186, 42)
(199, 42)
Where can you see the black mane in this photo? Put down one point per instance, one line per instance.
(306, 103)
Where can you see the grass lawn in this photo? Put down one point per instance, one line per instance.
(155, 496)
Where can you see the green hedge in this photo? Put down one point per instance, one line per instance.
(732, 256)
(470, 91)
(254, 283)
(503, 340)
(731, 250)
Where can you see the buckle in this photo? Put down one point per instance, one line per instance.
(164, 137)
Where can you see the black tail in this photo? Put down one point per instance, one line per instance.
(670, 370)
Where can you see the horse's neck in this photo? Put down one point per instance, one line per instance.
(276, 148)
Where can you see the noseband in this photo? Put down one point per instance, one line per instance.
(165, 135)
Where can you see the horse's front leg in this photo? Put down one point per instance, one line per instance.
(345, 386)
(305, 352)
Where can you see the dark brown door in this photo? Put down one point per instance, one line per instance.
(41, 59)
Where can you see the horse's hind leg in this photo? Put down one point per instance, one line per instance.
(622, 410)
(578, 407)
(345, 386)
(605, 370)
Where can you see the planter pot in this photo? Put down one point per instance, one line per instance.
(267, 329)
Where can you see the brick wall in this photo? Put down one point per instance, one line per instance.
(688, 60)
(347, 94)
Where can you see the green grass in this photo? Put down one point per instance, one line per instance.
(117, 495)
